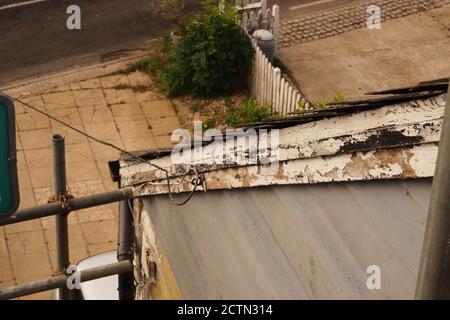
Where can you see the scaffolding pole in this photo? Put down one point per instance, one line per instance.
(434, 272)
(61, 281)
(80, 203)
(62, 227)
(61, 206)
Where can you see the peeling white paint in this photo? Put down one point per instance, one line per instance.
(407, 163)
(339, 149)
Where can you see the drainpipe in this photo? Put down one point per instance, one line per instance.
(124, 250)
(434, 272)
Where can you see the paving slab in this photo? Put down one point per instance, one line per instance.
(404, 52)
(348, 17)
(102, 102)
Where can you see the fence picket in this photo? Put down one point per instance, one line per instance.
(297, 100)
(289, 100)
(282, 95)
(286, 95)
(258, 83)
(277, 73)
(266, 83)
(264, 79)
(261, 68)
(269, 84)
(294, 94)
(260, 74)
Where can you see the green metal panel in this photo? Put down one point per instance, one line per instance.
(9, 191)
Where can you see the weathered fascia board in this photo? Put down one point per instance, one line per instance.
(307, 152)
(394, 163)
(395, 115)
(404, 124)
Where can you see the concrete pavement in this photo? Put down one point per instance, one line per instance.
(106, 103)
(405, 51)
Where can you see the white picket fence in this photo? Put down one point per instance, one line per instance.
(267, 84)
(269, 87)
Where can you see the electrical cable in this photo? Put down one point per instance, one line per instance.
(196, 181)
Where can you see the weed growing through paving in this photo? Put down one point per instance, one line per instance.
(339, 96)
(322, 103)
(250, 112)
(138, 88)
(301, 105)
(212, 58)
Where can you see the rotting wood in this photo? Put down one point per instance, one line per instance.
(392, 142)
(395, 163)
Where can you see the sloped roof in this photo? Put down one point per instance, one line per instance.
(395, 141)
(292, 242)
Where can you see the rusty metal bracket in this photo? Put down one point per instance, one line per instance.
(64, 199)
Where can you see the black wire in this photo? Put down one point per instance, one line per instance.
(128, 153)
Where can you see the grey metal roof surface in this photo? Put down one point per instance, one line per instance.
(298, 241)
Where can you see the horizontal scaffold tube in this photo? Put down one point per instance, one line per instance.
(60, 281)
(54, 208)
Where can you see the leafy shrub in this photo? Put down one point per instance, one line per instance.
(250, 112)
(212, 58)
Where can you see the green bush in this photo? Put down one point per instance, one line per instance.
(213, 56)
(250, 112)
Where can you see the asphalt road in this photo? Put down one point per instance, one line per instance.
(35, 40)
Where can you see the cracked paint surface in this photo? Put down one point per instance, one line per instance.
(393, 142)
